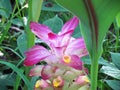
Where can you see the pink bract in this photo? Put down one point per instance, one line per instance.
(60, 44)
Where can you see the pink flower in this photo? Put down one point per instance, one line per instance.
(64, 49)
(82, 80)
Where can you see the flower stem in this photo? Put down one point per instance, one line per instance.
(94, 73)
(34, 9)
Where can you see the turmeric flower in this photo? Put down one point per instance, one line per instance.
(64, 65)
(64, 49)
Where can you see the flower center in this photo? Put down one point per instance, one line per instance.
(67, 59)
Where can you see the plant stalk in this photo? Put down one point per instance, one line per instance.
(94, 73)
(34, 9)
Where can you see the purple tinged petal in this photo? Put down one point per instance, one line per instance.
(76, 47)
(41, 85)
(40, 30)
(59, 40)
(59, 51)
(52, 60)
(52, 36)
(35, 55)
(82, 80)
(70, 25)
(36, 71)
(44, 73)
(73, 61)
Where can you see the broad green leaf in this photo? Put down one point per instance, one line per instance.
(14, 68)
(6, 80)
(2, 87)
(118, 19)
(111, 71)
(116, 59)
(5, 8)
(96, 17)
(22, 43)
(17, 21)
(100, 62)
(36, 5)
(114, 84)
(95, 21)
(49, 6)
(54, 23)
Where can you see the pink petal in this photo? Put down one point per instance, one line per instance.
(35, 55)
(70, 25)
(41, 85)
(40, 30)
(52, 59)
(76, 47)
(36, 71)
(74, 63)
(59, 40)
(82, 80)
(52, 35)
(59, 51)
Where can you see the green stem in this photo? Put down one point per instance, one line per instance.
(30, 35)
(34, 9)
(94, 73)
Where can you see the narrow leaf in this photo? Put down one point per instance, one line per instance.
(13, 67)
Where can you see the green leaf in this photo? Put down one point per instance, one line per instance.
(3, 87)
(36, 5)
(104, 13)
(14, 68)
(49, 6)
(6, 80)
(17, 21)
(5, 8)
(114, 84)
(96, 17)
(111, 71)
(118, 19)
(101, 61)
(54, 23)
(22, 43)
(116, 59)
(17, 81)
(77, 32)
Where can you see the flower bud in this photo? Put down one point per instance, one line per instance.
(58, 82)
(41, 84)
(82, 80)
